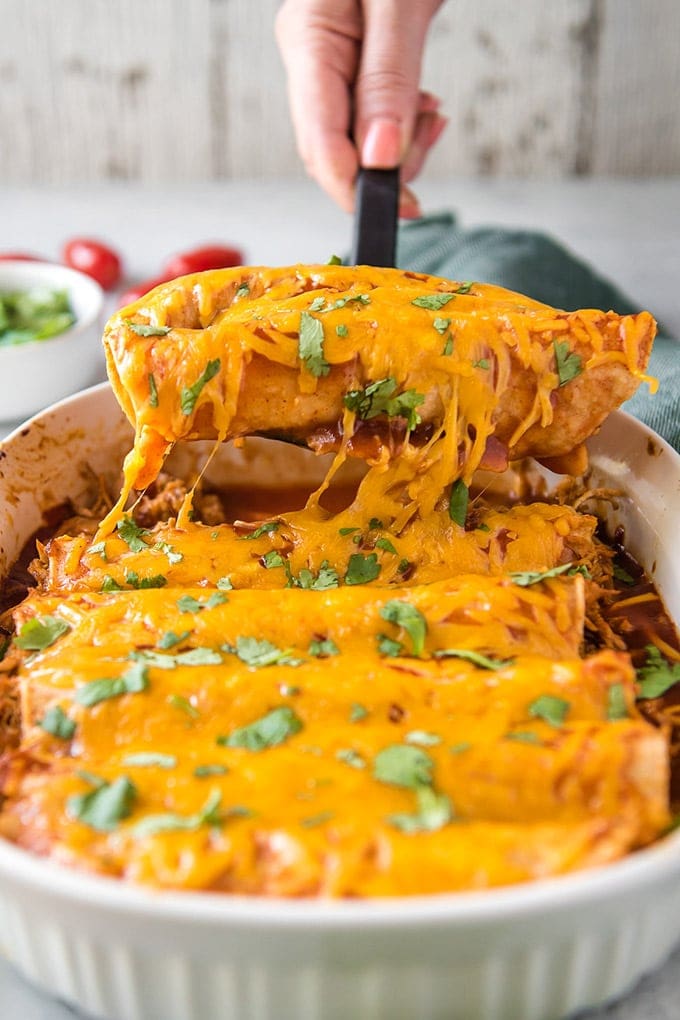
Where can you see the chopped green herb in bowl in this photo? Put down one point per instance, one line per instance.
(34, 314)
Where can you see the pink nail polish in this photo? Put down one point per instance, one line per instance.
(382, 145)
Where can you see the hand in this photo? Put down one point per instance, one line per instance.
(353, 72)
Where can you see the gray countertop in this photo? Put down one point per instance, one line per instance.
(630, 230)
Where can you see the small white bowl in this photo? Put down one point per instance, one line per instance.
(39, 372)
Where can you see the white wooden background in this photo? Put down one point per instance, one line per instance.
(183, 90)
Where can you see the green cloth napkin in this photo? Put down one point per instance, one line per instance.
(535, 264)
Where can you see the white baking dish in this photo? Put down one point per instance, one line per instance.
(529, 952)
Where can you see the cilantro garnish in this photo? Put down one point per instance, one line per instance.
(57, 723)
(379, 398)
(99, 549)
(403, 765)
(310, 344)
(110, 584)
(623, 576)
(403, 614)
(433, 812)
(190, 604)
(133, 681)
(322, 648)
(526, 578)
(448, 346)
(341, 330)
(523, 737)
(150, 759)
(153, 392)
(259, 653)
(40, 632)
(550, 709)
(384, 543)
(567, 362)
(135, 581)
(201, 771)
(325, 579)
(482, 363)
(362, 569)
(350, 757)
(432, 301)
(243, 290)
(421, 738)
(264, 529)
(458, 502)
(314, 820)
(105, 806)
(224, 584)
(357, 712)
(184, 705)
(190, 394)
(477, 659)
(441, 325)
(657, 675)
(173, 555)
(334, 260)
(270, 730)
(170, 638)
(616, 703)
(273, 559)
(132, 534)
(208, 815)
(147, 329)
(347, 531)
(388, 647)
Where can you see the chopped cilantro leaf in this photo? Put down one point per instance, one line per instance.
(433, 812)
(270, 730)
(314, 820)
(458, 502)
(350, 757)
(567, 362)
(421, 738)
(526, 578)
(188, 604)
(40, 632)
(135, 581)
(208, 815)
(98, 549)
(347, 531)
(110, 584)
(132, 534)
(523, 737)
(379, 398)
(105, 806)
(657, 675)
(334, 260)
(57, 723)
(147, 329)
(623, 576)
(322, 648)
(184, 705)
(375, 524)
(259, 653)
(464, 288)
(441, 325)
(616, 703)
(264, 529)
(153, 392)
(384, 543)
(273, 559)
(362, 569)
(170, 639)
(325, 579)
(482, 363)
(388, 647)
(318, 303)
(173, 555)
(432, 301)
(224, 584)
(403, 765)
(357, 712)
(448, 346)
(201, 771)
(242, 291)
(310, 345)
(133, 681)
(341, 330)
(190, 394)
(405, 615)
(150, 759)
(549, 708)
(483, 661)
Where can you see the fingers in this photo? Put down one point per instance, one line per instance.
(319, 43)
(386, 90)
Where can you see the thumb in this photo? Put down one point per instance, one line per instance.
(387, 84)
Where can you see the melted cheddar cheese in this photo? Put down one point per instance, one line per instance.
(385, 700)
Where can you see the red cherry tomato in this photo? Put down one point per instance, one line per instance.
(95, 259)
(140, 289)
(210, 256)
(20, 256)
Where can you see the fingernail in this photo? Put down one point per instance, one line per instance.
(381, 148)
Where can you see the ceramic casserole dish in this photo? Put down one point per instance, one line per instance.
(530, 952)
